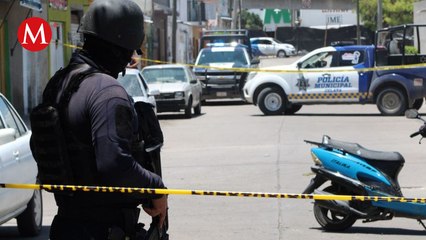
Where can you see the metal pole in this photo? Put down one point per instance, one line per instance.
(174, 27)
(234, 14)
(239, 14)
(379, 14)
(358, 31)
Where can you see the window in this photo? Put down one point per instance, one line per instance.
(320, 60)
(351, 58)
(10, 118)
(130, 82)
(266, 42)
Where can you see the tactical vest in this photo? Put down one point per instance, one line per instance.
(51, 143)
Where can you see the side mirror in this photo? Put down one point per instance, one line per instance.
(411, 113)
(193, 81)
(154, 92)
(299, 65)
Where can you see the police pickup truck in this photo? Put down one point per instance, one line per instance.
(389, 74)
(222, 54)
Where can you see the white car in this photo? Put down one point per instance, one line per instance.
(17, 165)
(137, 87)
(267, 46)
(178, 86)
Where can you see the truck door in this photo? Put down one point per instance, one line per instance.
(324, 80)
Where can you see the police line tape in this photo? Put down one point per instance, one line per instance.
(269, 70)
(105, 189)
(248, 70)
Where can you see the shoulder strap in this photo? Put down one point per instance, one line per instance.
(74, 84)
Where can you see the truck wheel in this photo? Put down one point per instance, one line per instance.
(30, 221)
(272, 101)
(281, 54)
(294, 108)
(391, 102)
(418, 103)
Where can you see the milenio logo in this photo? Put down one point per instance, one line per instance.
(34, 34)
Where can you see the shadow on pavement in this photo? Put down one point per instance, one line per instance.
(326, 115)
(176, 116)
(11, 233)
(382, 231)
(221, 102)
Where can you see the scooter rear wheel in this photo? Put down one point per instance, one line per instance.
(331, 220)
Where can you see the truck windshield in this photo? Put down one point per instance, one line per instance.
(208, 56)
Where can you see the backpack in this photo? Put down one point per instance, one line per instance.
(48, 140)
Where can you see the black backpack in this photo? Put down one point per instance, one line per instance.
(48, 140)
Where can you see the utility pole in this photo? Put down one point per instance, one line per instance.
(379, 14)
(234, 14)
(174, 28)
(358, 31)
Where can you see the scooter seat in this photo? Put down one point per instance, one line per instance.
(358, 150)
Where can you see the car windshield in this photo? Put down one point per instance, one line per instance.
(164, 75)
(209, 56)
(131, 83)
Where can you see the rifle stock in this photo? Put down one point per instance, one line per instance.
(151, 134)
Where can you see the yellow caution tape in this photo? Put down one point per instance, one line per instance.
(247, 70)
(74, 188)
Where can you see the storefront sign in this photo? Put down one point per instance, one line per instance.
(58, 4)
(33, 4)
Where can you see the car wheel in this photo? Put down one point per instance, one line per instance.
(188, 109)
(30, 221)
(391, 101)
(272, 101)
(197, 109)
(418, 103)
(281, 54)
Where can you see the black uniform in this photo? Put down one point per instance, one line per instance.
(101, 124)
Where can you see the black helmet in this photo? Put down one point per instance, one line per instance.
(116, 21)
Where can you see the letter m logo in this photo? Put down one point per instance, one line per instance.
(29, 33)
(34, 34)
(274, 16)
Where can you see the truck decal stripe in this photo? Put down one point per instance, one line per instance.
(298, 96)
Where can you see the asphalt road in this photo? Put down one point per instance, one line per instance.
(232, 146)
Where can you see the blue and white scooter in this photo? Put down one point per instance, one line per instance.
(354, 170)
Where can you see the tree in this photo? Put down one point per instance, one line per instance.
(251, 21)
(395, 12)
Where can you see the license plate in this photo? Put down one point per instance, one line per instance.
(221, 94)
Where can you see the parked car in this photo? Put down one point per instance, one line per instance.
(267, 46)
(17, 165)
(137, 87)
(178, 86)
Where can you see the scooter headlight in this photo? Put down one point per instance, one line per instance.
(315, 159)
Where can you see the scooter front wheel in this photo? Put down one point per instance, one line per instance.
(331, 220)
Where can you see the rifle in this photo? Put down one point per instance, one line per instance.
(150, 158)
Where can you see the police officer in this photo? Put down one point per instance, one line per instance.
(101, 123)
